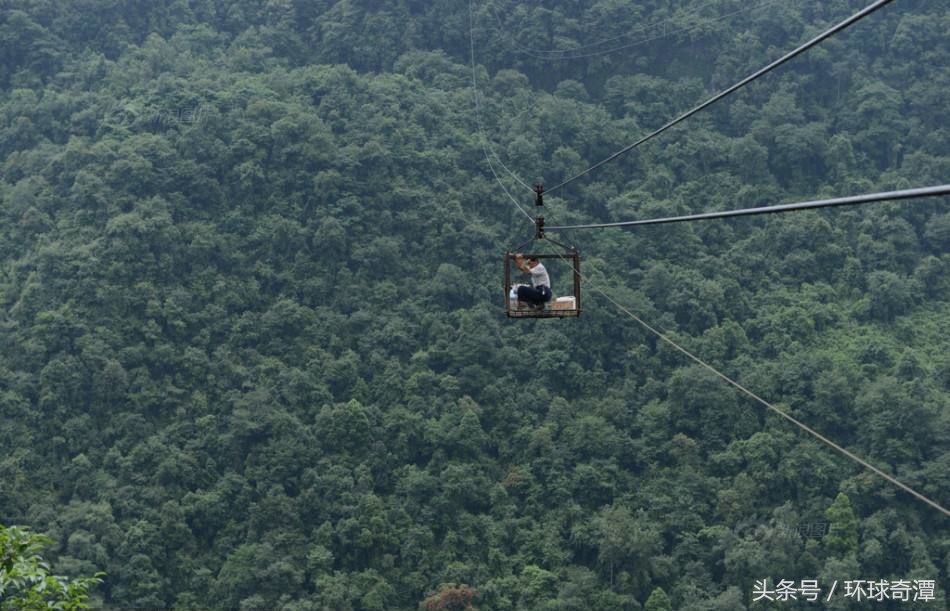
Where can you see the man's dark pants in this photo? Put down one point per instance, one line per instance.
(534, 296)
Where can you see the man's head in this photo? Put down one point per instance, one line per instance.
(532, 261)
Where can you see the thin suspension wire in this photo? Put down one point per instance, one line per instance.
(844, 451)
(593, 23)
(585, 24)
(801, 49)
(781, 413)
(486, 146)
(494, 153)
(577, 52)
(819, 203)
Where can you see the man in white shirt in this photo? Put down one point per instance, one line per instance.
(539, 292)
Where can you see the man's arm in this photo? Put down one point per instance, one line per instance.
(520, 264)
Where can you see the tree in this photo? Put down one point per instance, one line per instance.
(658, 601)
(891, 295)
(842, 537)
(937, 232)
(451, 597)
(26, 583)
(627, 541)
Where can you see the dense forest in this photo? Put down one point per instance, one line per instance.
(253, 350)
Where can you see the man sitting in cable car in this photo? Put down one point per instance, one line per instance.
(539, 292)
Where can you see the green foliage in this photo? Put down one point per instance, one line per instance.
(658, 601)
(251, 350)
(843, 536)
(26, 582)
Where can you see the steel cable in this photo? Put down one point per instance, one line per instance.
(820, 203)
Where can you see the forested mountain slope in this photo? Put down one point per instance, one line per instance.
(252, 345)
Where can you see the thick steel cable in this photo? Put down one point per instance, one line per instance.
(486, 146)
(844, 451)
(801, 49)
(820, 203)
